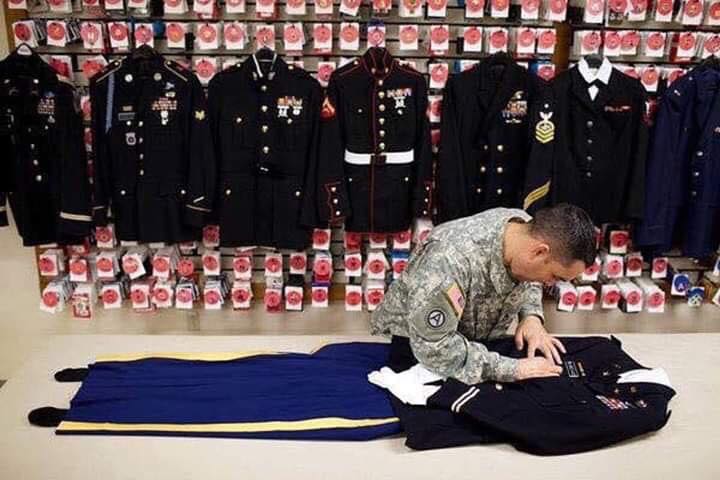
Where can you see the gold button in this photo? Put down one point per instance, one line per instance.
(381, 108)
(32, 146)
(38, 178)
(289, 121)
(142, 155)
(140, 123)
(140, 140)
(381, 146)
(381, 121)
(381, 94)
(483, 169)
(424, 212)
(128, 123)
(238, 120)
(264, 128)
(333, 189)
(500, 148)
(400, 112)
(499, 191)
(263, 88)
(264, 108)
(297, 193)
(337, 213)
(407, 179)
(382, 133)
(36, 163)
(427, 188)
(359, 110)
(427, 200)
(499, 169)
(142, 172)
(479, 190)
(380, 82)
(228, 191)
(122, 192)
(266, 149)
(498, 386)
(633, 389)
(182, 192)
(335, 201)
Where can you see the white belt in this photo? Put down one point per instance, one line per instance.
(390, 157)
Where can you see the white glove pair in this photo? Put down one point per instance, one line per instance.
(409, 386)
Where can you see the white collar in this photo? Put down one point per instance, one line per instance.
(602, 73)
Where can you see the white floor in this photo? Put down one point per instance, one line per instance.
(685, 448)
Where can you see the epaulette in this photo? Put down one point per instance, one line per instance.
(175, 69)
(112, 67)
(65, 80)
(347, 68)
(408, 69)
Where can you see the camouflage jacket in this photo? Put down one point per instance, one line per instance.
(455, 293)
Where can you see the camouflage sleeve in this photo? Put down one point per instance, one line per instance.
(439, 278)
(532, 301)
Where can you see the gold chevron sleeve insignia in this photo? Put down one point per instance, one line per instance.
(545, 129)
(536, 195)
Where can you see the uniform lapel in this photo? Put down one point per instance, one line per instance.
(579, 88)
(507, 86)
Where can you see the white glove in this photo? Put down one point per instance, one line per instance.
(408, 386)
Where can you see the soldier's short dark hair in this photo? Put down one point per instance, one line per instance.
(569, 230)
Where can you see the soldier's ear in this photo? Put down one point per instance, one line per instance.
(541, 250)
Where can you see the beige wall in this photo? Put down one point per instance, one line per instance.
(3, 33)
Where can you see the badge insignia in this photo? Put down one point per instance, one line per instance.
(328, 110)
(436, 318)
(545, 129)
(200, 115)
(130, 138)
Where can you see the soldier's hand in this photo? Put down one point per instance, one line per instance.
(536, 368)
(531, 331)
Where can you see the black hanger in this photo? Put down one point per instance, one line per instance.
(265, 55)
(712, 61)
(143, 52)
(594, 60)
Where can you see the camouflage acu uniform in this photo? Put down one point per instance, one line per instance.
(457, 292)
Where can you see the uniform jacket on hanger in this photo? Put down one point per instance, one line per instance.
(265, 123)
(44, 165)
(485, 139)
(153, 151)
(591, 152)
(683, 167)
(375, 165)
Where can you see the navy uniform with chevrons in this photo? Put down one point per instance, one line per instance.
(154, 164)
(44, 165)
(265, 124)
(375, 166)
(486, 137)
(590, 152)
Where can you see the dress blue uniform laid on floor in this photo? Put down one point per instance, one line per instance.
(602, 397)
(324, 395)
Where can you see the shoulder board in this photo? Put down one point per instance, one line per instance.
(348, 67)
(112, 67)
(65, 80)
(176, 70)
(409, 69)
